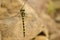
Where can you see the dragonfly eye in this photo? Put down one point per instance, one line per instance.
(22, 12)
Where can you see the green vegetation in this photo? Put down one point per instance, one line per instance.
(51, 7)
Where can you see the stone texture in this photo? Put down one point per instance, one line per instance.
(11, 23)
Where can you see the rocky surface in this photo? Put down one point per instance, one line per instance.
(36, 20)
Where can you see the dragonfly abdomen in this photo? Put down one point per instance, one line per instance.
(23, 15)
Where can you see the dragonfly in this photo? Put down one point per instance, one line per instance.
(22, 12)
(23, 15)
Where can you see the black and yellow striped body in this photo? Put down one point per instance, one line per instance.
(23, 15)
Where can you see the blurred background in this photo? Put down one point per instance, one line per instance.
(54, 13)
